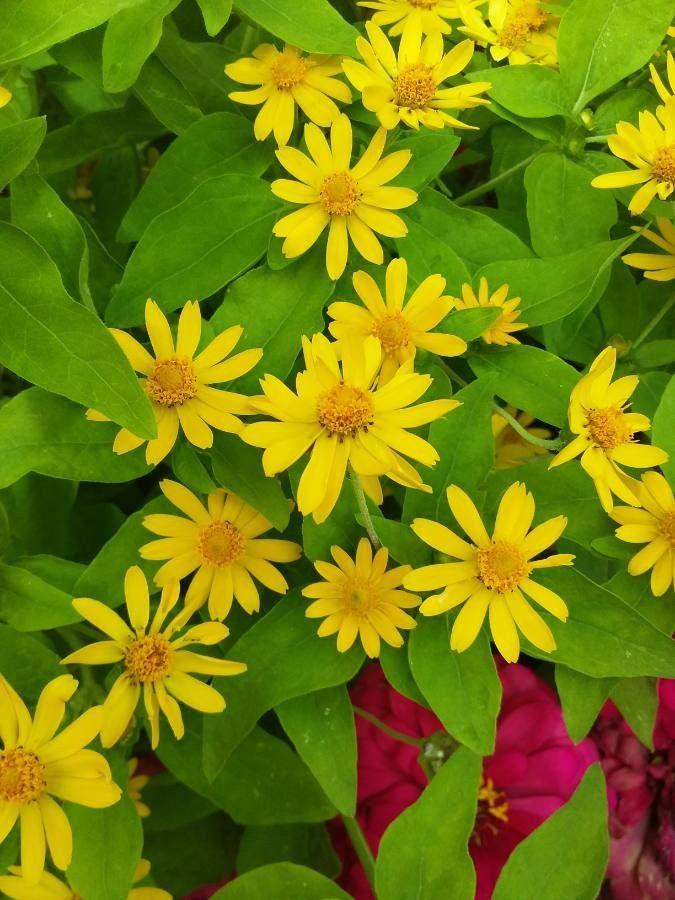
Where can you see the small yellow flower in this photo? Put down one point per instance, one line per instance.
(510, 448)
(604, 432)
(502, 329)
(180, 384)
(426, 16)
(493, 572)
(650, 149)
(135, 787)
(37, 765)
(156, 662)
(345, 417)
(49, 887)
(286, 79)
(408, 88)
(353, 202)
(222, 545)
(360, 598)
(653, 524)
(401, 327)
(520, 31)
(661, 89)
(5, 96)
(657, 266)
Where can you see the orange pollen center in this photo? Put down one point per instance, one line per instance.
(520, 24)
(345, 410)
(501, 566)
(22, 776)
(423, 4)
(414, 86)
(221, 544)
(663, 166)
(493, 809)
(359, 595)
(288, 70)
(172, 382)
(149, 658)
(607, 427)
(667, 527)
(339, 194)
(393, 331)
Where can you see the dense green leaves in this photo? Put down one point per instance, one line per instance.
(131, 36)
(27, 662)
(662, 427)
(18, 145)
(531, 91)
(280, 881)
(320, 28)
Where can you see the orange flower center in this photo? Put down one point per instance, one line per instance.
(359, 595)
(345, 410)
(667, 527)
(172, 382)
(520, 24)
(339, 194)
(414, 86)
(149, 658)
(22, 776)
(393, 331)
(288, 70)
(663, 165)
(423, 4)
(493, 809)
(607, 427)
(221, 544)
(501, 566)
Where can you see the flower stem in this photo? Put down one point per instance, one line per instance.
(390, 732)
(363, 509)
(487, 186)
(651, 325)
(360, 845)
(548, 444)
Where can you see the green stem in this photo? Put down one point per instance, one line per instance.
(391, 732)
(441, 185)
(651, 325)
(493, 182)
(548, 444)
(363, 509)
(360, 845)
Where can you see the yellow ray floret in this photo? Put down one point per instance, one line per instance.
(15, 886)
(408, 87)
(288, 79)
(360, 598)
(519, 31)
(426, 16)
(665, 92)
(354, 203)
(345, 417)
(180, 383)
(493, 573)
(221, 543)
(501, 331)
(155, 661)
(37, 765)
(656, 266)
(5, 96)
(605, 432)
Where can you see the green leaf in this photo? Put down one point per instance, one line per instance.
(28, 603)
(195, 248)
(320, 28)
(655, 353)
(169, 101)
(427, 254)
(215, 13)
(402, 543)
(622, 106)
(396, 667)
(581, 698)
(424, 850)
(130, 37)
(533, 92)
(321, 727)
(469, 324)
(307, 845)
(431, 153)
(189, 469)
(18, 145)
(638, 702)
(27, 663)
(279, 882)
(663, 433)
(49, 339)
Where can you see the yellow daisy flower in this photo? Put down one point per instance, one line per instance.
(657, 266)
(37, 765)
(353, 202)
(604, 432)
(493, 572)
(426, 16)
(222, 545)
(179, 384)
(401, 327)
(650, 149)
(156, 662)
(661, 89)
(653, 524)
(135, 787)
(286, 79)
(510, 448)
(520, 31)
(360, 598)
(502, 329)
(408, 88)
(345, 416)
(49, 887)
(5, 96)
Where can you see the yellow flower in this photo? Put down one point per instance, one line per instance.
(409, 88)
(135, 787)
(49, 887)
(604, 432)
(360, 598)
(287, 79)
(426, 16)
(345, 417)
(37, 765)
(493, 572)
(650, 148)
(179, 384)
(354, 202)
(222, 544)
(401, 327)
(501, 330)
(510, 448)
(155, 662)
(5, 96)
(657, 266)
(519, 31)
(661, 89)
(654, 525)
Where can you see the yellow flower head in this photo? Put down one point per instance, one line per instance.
(37, 765)
(286, 79)
(604, 432)
(502, 329)
(179, 384)
(653, 524)
(222, 545)
(426, 16)
(493, 572)
(661, 89)
(360, 598)
(155, 660)
(135, 787)
(345, 416)
(510, 448)
(657, 266)
(353, 202)
(408, 88)
(520, 31)
(650, 149)
(5, 96)
(401, 327)
(15, 886)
